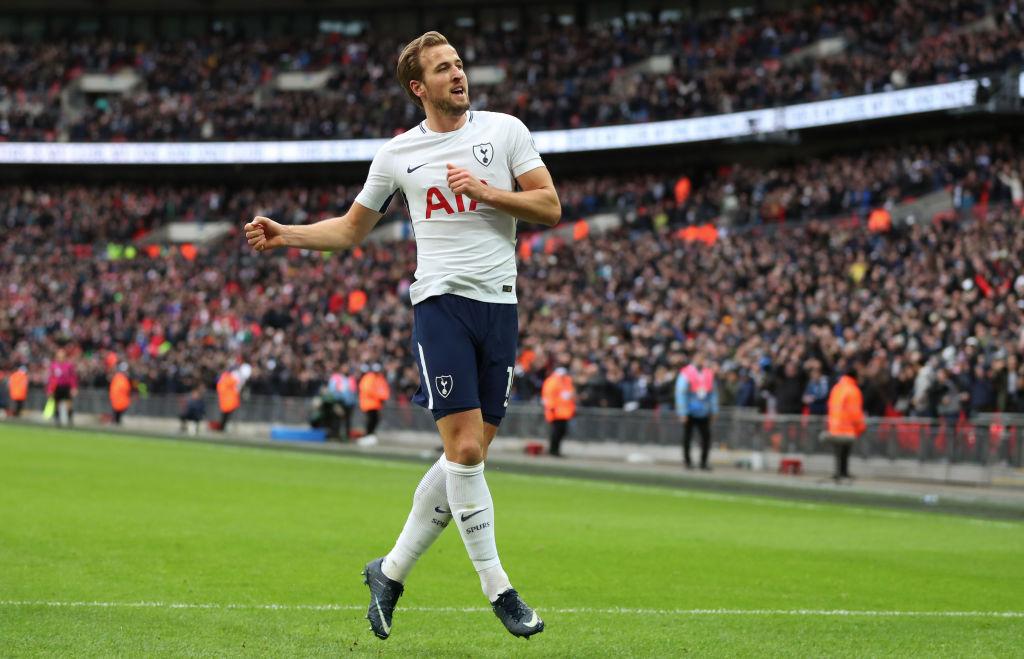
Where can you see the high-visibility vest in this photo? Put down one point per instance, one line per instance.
(373, 391)
(227, 392)
(342, 389)
(559, 398)
(120, 392)
(701, 381)
(846, 409)
(17, 385)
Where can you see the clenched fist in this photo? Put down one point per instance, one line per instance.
(263, 233)
(462, 182)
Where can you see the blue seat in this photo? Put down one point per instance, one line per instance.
(292, 433)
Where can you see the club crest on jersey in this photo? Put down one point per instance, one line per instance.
(444, 384)
(484, 153)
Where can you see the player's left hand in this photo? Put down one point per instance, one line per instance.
(462, 182)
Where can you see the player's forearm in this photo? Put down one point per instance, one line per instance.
(330, 235)
(540, 206)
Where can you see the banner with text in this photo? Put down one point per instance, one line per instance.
(932, 98)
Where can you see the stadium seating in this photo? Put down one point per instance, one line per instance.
(219, 87)
(940, 294)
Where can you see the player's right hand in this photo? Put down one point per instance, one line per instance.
(263, 233)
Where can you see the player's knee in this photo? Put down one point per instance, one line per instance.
(467, 451)
(463, 436)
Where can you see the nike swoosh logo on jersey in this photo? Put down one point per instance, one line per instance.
(410, 170)
(533, 621)
(466, 517)
(439, 510)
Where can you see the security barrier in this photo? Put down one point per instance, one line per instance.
(987, 439)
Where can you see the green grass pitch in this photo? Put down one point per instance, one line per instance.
(114, 545)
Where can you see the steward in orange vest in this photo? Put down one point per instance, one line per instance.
(846, 409)
(120, 394)
(559, 397)
(845, 420)
(17, 389)
(228, 396)
(373, 391)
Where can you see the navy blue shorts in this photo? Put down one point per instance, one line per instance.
(466, 352)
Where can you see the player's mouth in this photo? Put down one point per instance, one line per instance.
(459, 92)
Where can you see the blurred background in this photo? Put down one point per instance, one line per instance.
(790, 190)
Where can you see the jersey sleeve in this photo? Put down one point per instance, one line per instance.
(380, 184)
(523, 155)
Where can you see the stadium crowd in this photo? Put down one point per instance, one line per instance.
(934, 309)
(556, 76)
(840, 185)
(938, 305)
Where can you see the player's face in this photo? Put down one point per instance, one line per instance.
(444, 82)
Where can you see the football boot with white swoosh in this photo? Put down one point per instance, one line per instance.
(384, 594)
(518, 618)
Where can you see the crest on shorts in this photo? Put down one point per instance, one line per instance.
(484, 153)
(444, 385)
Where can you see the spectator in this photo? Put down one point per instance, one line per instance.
(982, 393)
(874, 386)
(746, 393)
(789, 390)
(902, 390)
(729, 389)
(1008, 385)
(193, 411)
(817, 391)
(944, 396)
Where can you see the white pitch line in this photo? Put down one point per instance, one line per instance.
(583, 610)
(760, 500)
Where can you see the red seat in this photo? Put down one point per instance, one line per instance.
(534, 448)
(792, 466)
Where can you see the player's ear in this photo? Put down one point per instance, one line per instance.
(417, 88)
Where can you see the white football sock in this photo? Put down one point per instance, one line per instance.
(470, 501)
(424, 525)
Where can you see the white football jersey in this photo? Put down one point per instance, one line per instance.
(462, 246)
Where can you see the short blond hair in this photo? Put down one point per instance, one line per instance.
(409, 66)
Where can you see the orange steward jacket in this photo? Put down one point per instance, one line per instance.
(559, 398)
(846, 409)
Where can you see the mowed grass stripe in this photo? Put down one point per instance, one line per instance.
(282, 453)
(264, 548)
(469, 609)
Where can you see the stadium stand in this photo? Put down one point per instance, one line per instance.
(227, 86)
(920, 297)
(901, 249)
